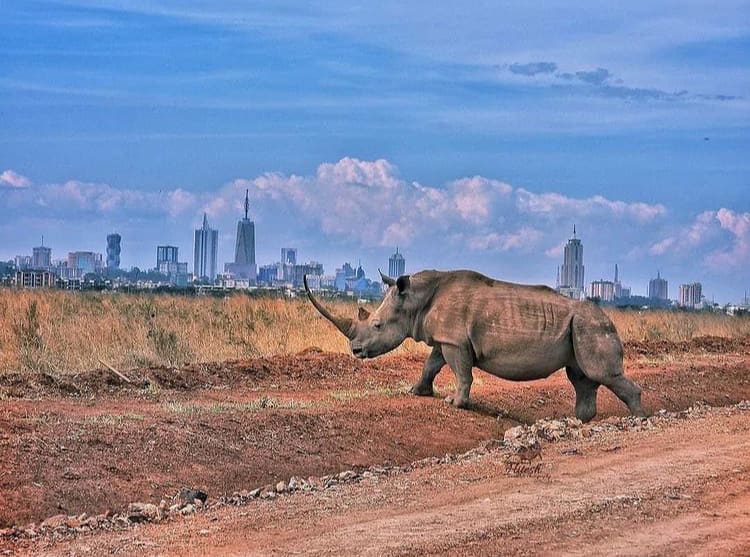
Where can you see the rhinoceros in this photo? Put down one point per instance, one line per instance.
(513, 331)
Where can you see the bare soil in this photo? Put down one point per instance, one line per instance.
(90, 443)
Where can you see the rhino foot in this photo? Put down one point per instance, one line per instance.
(422, 390)
(457, 402)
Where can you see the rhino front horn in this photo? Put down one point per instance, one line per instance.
(343, 324)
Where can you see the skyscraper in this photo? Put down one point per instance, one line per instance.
(113, 251)
(243, 266)
(289, 256)
(206, 250)
(396, 265)
(166, 254)
(42, 257)
(691, 295)
(570, 281)
(658, 288)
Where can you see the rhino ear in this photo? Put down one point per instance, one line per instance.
(386, 279)
(363, 314)
(402, 283)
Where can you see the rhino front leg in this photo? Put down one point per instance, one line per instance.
(432, 367)
(461, 361)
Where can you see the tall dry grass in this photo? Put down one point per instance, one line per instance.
(67, 332)
(61, 331)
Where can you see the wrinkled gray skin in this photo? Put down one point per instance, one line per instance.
(513, 331)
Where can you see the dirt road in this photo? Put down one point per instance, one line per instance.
(681, 488)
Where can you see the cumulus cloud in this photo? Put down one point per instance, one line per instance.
(723, 237)
(78, 197)
(522, 239)
(558, 205)
(10, 179)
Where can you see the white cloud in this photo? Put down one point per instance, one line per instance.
(557, 205)
(10, 179)
(522, 239)
(738, 254)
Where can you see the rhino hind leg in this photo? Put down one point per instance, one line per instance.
(432, 367)
(460, 361)
(598, 354)
(586, 391)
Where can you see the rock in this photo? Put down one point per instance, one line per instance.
(255, 492)
(294, 483)
(143, 512)
(281, 487)
(187, 495)
(348, 475)
(198, 503)
(54, 522)
(204, 532)
(187, 509)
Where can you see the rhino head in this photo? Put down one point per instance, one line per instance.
(374, 334)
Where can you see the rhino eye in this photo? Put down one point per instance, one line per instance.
(376, 325)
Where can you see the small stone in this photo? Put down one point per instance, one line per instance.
(255, 492)
(142, 512)
(198, 503)
(204, 532)
(174, 508)
(187, 509)
(347, 475)
(294, 483)
(281, 487)
(54, 522)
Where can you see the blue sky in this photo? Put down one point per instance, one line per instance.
(471, 136)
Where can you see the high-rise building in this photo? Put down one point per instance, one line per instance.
(166, 254)
(206, 251)
(570, 279)
(22, 262)
(658, 288)
(691, 295)
(396, 265)
(42, 257)
(289, 256)
(84, 262)
(604, 290)
(113, 251)
(243, 266)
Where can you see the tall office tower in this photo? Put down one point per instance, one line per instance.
(658, 289)
(206, 250)
(84, 262)
(166, 254)
(691, 294)
(571, 279)
(289, 256)
(396, 265)
(113, 251)
(42, 257)
(244, 266)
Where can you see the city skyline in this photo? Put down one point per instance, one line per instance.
(468, 137)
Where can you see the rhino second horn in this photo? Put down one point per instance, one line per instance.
(386, 279)
(343, 324)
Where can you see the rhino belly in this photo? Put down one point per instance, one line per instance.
(526, 363)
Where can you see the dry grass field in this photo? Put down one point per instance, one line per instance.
(66, 332)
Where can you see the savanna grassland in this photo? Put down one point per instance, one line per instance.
(64, 332)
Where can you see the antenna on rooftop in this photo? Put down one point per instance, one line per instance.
(247, 202)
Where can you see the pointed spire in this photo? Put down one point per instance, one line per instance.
(574, 231)
(205, 221)
(247, 202)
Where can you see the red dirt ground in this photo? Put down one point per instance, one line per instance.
(89, 442)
